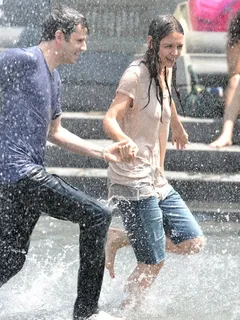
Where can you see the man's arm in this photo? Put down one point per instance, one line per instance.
(67, 140)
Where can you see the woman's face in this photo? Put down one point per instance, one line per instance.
(170, 49)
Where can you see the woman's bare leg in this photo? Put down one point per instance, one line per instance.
(142, 276)
(116, 239)
(187, 247)
(140, 279)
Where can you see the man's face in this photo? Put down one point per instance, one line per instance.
(74, 45)
(170, 49)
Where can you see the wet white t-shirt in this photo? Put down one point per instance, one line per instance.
(144, 125)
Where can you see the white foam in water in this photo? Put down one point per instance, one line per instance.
(204, 286)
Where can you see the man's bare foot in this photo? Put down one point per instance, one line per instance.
(116, 239)
(221, 142)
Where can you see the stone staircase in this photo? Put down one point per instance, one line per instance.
(208, 179)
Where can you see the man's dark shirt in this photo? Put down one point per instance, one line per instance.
(30, 100)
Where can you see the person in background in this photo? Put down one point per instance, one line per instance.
(30, 115)
(232, 95)
(154, 215)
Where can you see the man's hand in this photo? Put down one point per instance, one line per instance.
(121, 151)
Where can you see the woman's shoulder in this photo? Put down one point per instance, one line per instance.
(138, 67)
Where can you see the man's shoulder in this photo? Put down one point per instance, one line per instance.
(18, 55)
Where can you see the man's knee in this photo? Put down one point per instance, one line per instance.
(105, 214)
(99, 218)
(106, 218)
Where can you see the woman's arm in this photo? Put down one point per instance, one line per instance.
(111, 126)
(163, 138)
(115, 113)
(179, 135)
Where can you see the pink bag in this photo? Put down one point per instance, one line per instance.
(212, 15)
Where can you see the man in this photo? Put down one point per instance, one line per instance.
(30, 115)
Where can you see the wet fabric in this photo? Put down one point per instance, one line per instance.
(30, 100)
(142, 123)
(21, 205)
(142, 191)
(149, 221)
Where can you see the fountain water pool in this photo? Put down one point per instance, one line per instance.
(204, 286)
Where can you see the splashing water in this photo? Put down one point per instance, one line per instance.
(204, 286)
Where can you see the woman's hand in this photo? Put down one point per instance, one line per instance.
(129, 151)
(179, 136)
(125, 150)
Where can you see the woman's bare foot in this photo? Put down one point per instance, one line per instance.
(221, 142)
(130, 303)
(116, 239)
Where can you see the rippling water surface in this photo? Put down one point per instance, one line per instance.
(205, 286)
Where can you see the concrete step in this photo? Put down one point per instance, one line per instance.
(88, 125)
(198, 157)
(206, 130)
(206, 188)
(90, 84)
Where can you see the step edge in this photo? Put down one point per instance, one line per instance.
(171, 175)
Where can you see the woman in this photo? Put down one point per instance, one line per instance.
(232, 104)
(141, 113)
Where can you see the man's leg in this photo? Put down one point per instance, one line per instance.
(91, 270)
(60, 200)
(17, 221)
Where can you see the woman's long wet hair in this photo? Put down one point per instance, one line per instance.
(234, 30)
(159, 28)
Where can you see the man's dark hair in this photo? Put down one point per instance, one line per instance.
(62, 18)
(234, 30)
